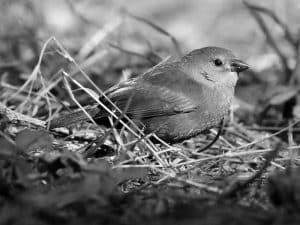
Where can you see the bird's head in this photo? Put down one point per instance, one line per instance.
(213, 65)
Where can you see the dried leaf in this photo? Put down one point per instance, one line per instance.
(33, 140)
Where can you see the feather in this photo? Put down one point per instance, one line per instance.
(148, 95)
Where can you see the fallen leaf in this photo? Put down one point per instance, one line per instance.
(33, 140)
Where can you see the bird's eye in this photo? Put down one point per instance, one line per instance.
(218, 62)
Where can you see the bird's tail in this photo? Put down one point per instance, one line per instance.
(74, 117)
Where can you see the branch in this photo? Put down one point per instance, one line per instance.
(19, 117)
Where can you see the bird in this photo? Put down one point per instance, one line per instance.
(176, 100)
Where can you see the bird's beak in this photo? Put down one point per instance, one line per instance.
(238, 66)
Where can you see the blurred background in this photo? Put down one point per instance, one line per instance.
(194, 23)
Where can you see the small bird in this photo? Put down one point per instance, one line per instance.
(181, 99)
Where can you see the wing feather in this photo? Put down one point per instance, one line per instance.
(164, 91)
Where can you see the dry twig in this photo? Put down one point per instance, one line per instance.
(14, 116)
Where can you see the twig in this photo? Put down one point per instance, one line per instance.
(19, 117)
(202, 186)
(225, 155)
(36, 70)
(271, 135)
(269, 128)
(291, 143)
(67, 85)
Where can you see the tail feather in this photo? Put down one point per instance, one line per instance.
(74, 117)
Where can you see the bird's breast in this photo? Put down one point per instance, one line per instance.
(219, 104)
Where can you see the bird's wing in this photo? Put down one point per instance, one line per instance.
(163, 92)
